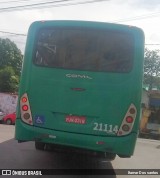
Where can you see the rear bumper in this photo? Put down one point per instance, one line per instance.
(118, 145)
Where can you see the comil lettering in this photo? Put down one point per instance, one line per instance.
(78, 76)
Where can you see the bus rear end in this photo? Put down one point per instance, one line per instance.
(81, 86)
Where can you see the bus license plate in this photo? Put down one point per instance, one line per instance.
(76, 119)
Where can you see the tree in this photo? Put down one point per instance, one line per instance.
(10, 55)
(8, 80)
(10, 65)
(152, 68)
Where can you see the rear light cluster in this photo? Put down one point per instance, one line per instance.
(25, 110)
(128, 121)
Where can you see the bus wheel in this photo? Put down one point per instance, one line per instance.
(110, 157)
(39, 145)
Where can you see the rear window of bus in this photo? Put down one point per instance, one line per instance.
(84, 49)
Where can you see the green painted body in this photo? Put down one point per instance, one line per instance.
(104, 99)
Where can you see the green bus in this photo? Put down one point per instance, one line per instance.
(81, 87)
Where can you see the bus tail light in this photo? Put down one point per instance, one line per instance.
(25, 110)
(128, 121)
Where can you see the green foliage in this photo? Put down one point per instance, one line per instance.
(10, 55)
(8, 80)
(10, 65)
(152, 68)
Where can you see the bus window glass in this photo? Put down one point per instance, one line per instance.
(84, 49)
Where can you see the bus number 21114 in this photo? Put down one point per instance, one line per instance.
(105, 128)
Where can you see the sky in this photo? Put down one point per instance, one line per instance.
(16, 18)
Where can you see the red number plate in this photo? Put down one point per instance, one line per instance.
(76, 119)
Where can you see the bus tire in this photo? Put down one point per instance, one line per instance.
(123, 156)
(39, 145)
(110, 157)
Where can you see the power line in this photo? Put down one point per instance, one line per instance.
(50, 4)
(11, 33)
(36, 3)
(152, 44)
(59, 3)
(20, 34)
(6, 2)
(138, 17)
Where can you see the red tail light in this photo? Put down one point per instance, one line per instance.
(24, 99)
(25, 110)
(128, 121)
